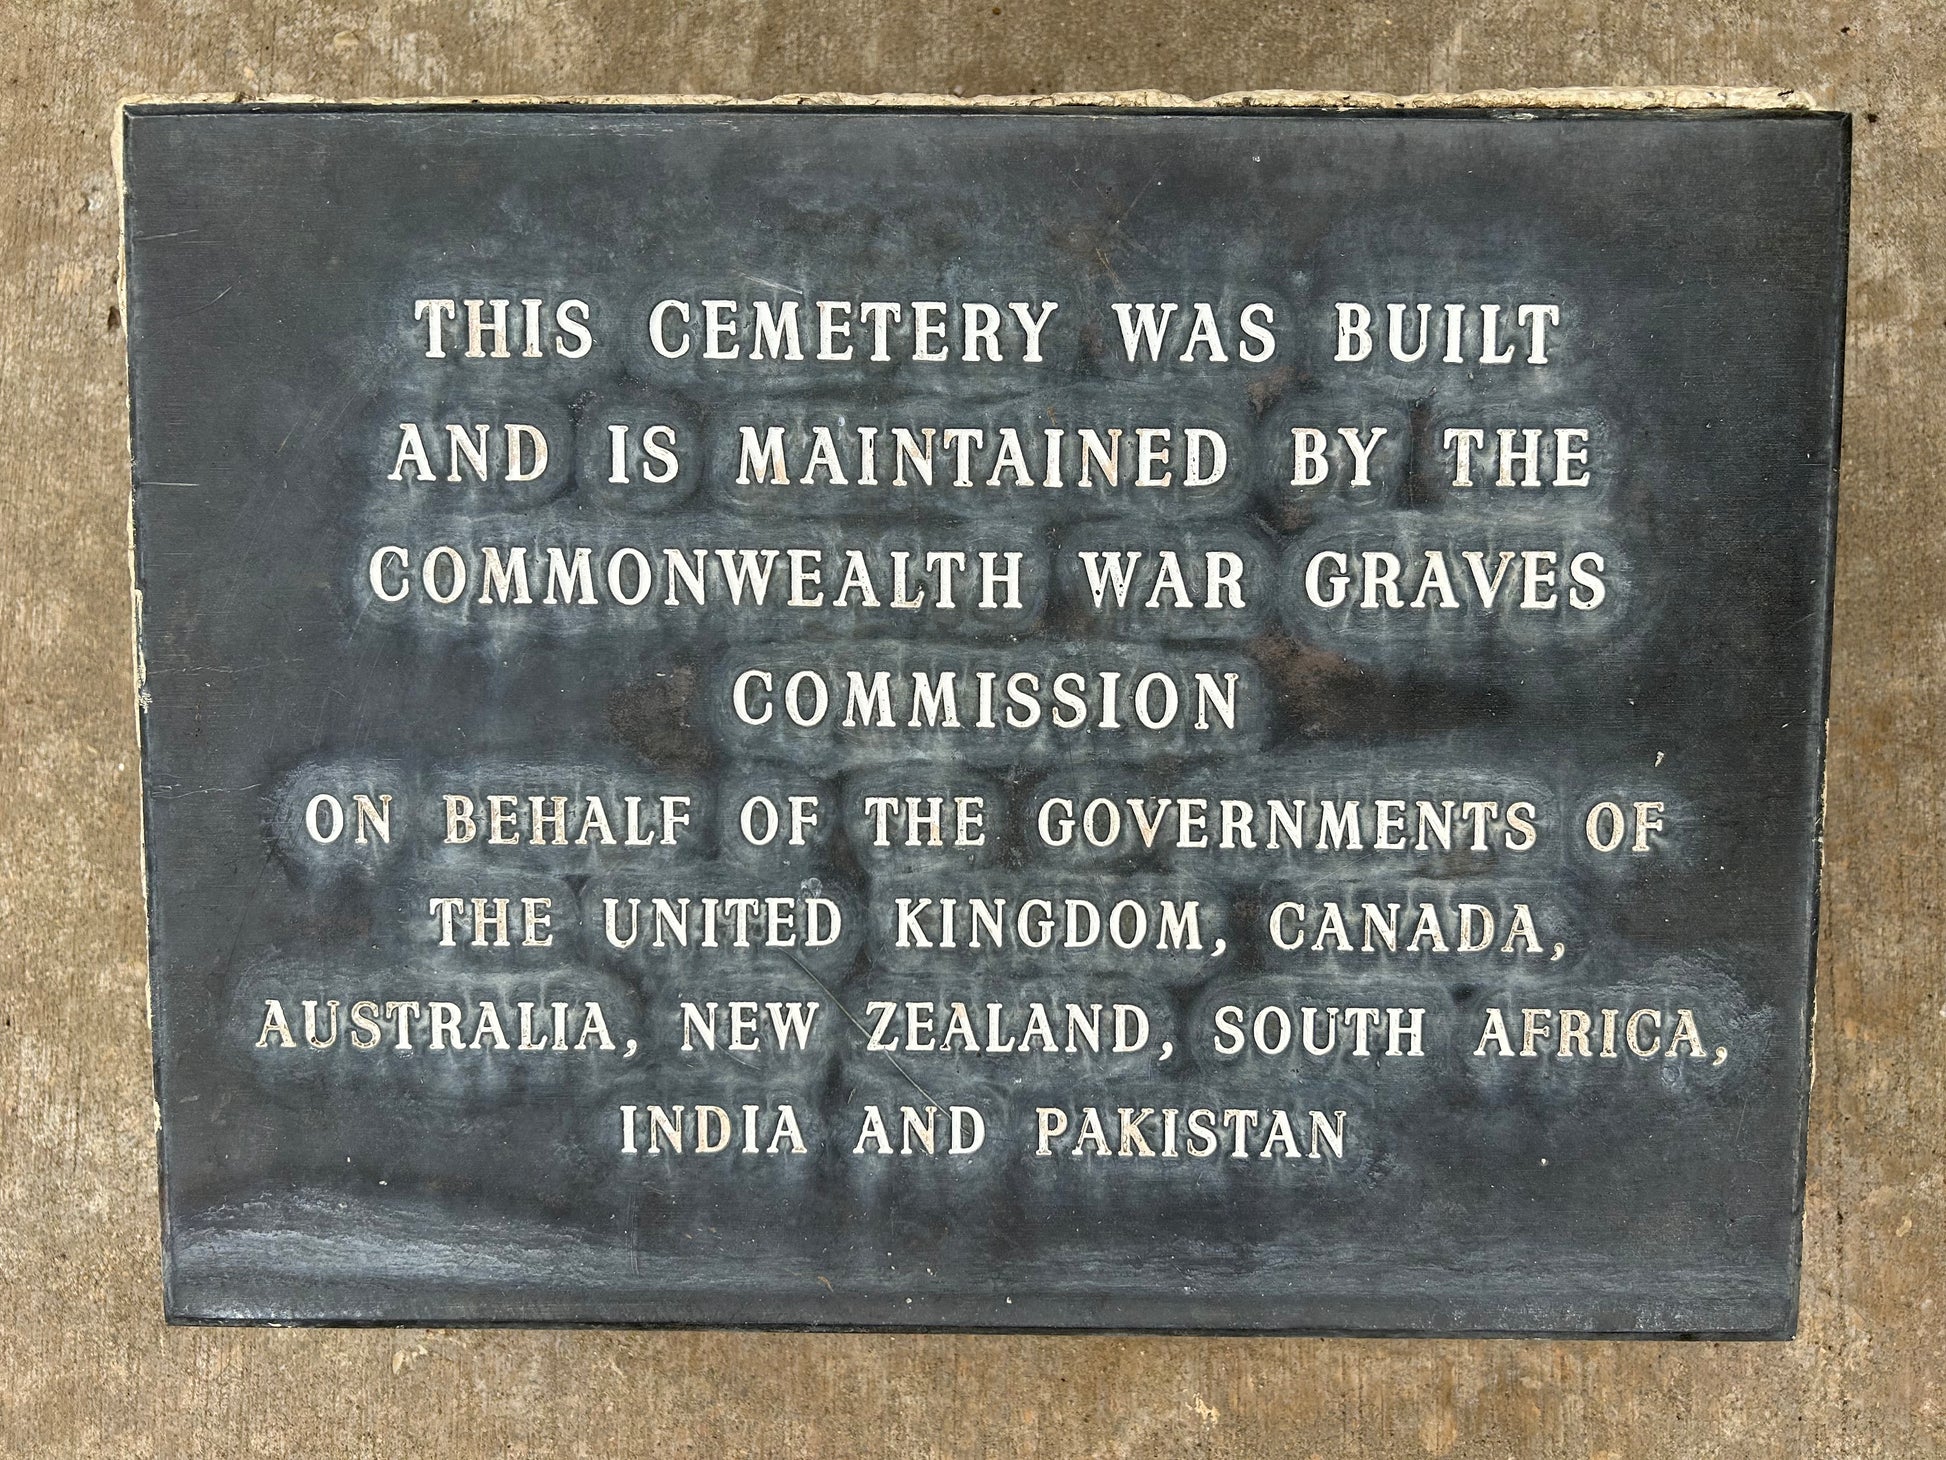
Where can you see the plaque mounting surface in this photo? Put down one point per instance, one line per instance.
(710, 758)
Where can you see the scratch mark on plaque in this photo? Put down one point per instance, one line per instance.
(207, 791)
(211, 304)
(1129, 211)
(344, 403)
(839, 1005)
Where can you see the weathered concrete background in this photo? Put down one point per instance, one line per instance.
(86, 1367)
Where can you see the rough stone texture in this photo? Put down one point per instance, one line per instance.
(90, 1368)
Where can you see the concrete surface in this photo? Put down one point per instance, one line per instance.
(89, 1368)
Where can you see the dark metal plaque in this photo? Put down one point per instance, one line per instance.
(983, 718)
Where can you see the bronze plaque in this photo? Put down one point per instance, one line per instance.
(984, 718)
